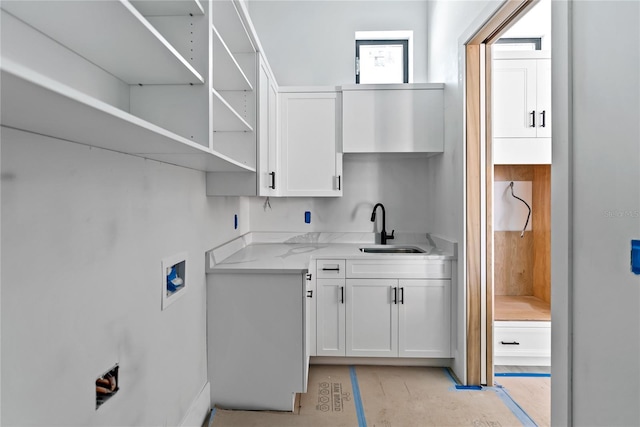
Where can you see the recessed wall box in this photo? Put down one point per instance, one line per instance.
(174, 278)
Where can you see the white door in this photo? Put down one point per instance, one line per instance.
(309, 139)
(514, 98)
(330, 317)
(372, 317)
(424, 318)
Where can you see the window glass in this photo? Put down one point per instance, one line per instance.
(382, 61)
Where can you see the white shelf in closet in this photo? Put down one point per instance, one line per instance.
(227, 73)
(226, 118)
(230, 25)
(168, 7)
(38, 104)
(111, 34)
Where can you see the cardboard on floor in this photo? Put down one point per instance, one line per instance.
(390, 396)
(533, 394)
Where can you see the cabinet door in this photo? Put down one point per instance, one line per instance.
(330, 317)
(309, 325)
(372, 317)
(543, 98)
(424, 318)
(514, 98)
(393, 121)
(267, 124)
(310, 162)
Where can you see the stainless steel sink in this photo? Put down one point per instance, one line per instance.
(392, 250)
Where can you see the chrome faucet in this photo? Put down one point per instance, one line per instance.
(383, 235)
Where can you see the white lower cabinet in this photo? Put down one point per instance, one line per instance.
(526, 343)
(330, 317)
(382, 317)
(372, 317)
(424, 318)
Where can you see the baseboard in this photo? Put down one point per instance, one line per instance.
(381, 361)
(199, 409)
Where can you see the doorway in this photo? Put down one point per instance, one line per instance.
(521, 154)
(483, 254)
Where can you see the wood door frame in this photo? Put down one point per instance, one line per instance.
(479, 196)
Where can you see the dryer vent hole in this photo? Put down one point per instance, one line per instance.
(106, 386)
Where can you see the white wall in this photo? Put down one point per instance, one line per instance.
(398, 183)
(604, 169)
(450, 25)
(313, 42)
(83, 234)
(535, 23)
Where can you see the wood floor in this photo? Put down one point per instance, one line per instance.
(402, 396)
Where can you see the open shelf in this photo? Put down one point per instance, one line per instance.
(227, 73)
(226, 18)
(520, 308)
(226, 118)
(111, 34)
(168, 7)
(38, 104)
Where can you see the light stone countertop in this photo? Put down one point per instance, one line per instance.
(293, 252)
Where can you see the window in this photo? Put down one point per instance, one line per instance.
(383, 56)
(519, 43)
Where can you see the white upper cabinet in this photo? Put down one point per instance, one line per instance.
(310, 148)
(267, 131)
(392, 118)
(521, 107)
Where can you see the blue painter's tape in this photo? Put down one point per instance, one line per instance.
(307, 217)
(523, 374)
(635, 256)
(211, 415)
(357, 400)
(450, 376)
(513, 406)
(468, 387)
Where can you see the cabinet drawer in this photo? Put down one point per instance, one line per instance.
(522, 339)
(399, 269)
(330, 269)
